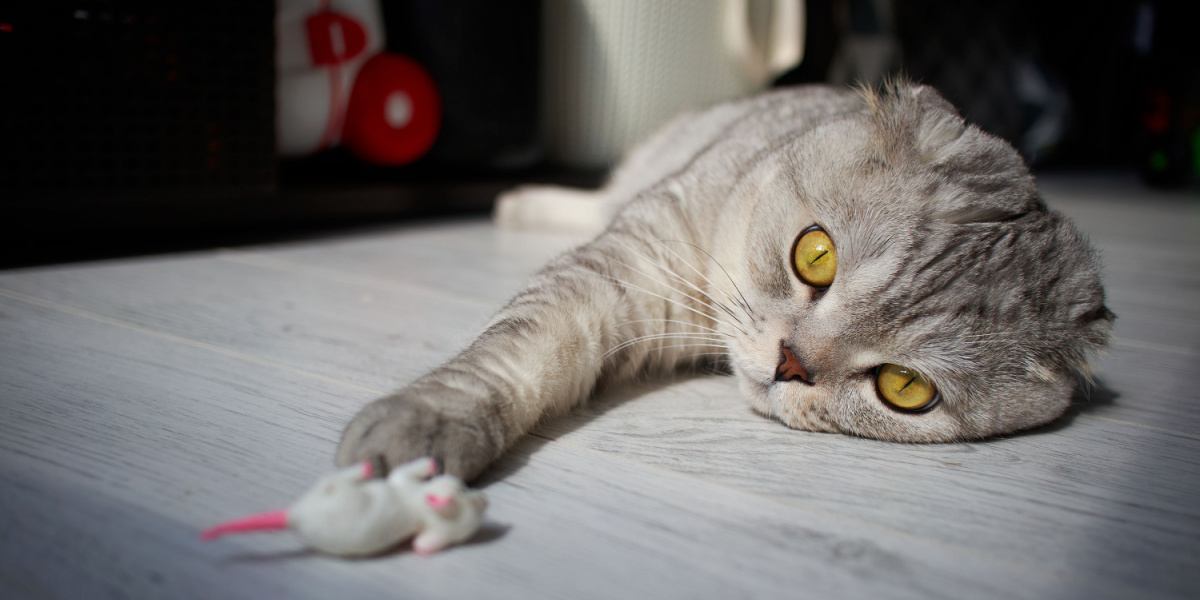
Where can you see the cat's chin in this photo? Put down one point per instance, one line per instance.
(756, 393)
(772, 401)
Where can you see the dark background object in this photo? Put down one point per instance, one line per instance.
(131, 125)
(483, 57)
(153, 100)
(1108, 84)
(118, 117)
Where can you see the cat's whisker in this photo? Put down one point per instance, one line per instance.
(745, 304)
(716, 342)
(724, 355)
(634, 287)
(676, 302)
(666, 269)
(660, 336)
(663, 336)
(679, 346)
(677, 321)
(745, 308)
(724, 307)
(719, 306)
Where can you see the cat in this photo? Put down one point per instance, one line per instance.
(863, 261)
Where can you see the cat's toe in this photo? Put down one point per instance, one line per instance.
(401, 430)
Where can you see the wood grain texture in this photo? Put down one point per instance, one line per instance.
(143, 399)
(586, 519)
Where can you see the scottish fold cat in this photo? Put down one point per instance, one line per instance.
(862, 261)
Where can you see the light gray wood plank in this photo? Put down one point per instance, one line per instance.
(469, 259)
(378, 336)
(1121, 207)
(1156, 298)
(1042, 495)
(118, 446)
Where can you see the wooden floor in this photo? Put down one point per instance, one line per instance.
(144, 399)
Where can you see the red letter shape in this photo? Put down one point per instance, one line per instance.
(334, 38)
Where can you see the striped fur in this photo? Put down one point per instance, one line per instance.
(948, 262)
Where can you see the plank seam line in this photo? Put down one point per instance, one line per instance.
(1171, 432)
(262, 261)
(768, 499)
(214, 348)
(1135, 344)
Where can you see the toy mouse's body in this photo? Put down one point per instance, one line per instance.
(353, 513)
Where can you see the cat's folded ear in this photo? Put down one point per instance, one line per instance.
(929, 97)
(979, 177)
(911, 119)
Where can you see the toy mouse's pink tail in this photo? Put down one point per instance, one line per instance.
(268, 521)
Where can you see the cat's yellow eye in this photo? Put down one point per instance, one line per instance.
(904, 388)
(814, 258)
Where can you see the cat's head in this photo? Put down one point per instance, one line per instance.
(909, 283)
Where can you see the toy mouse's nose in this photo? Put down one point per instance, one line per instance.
(790, 368)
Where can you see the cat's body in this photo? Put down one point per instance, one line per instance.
(947, 263)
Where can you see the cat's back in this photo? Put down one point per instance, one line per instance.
(725, 136)
(703, 152)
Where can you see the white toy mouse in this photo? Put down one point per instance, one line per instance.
(354, 513)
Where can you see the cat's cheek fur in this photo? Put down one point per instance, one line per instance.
(1032, 405)
(757, 394)
(805, 407)
(861, 412)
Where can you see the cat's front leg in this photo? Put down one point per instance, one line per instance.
(542, 355)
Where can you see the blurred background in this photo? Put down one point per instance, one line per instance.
(138, 126)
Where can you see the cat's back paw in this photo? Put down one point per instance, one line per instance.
(552, 208)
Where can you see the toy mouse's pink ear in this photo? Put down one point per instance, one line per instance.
(268, 521)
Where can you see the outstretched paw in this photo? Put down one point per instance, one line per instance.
(401, 430)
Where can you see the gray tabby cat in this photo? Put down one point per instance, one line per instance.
(865, 262)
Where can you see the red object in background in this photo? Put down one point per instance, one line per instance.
(1158, 118)
(334, 38)
(394, 112)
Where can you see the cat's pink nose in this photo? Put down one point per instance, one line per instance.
(790, 368)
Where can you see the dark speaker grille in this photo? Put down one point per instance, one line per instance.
(126, 95)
